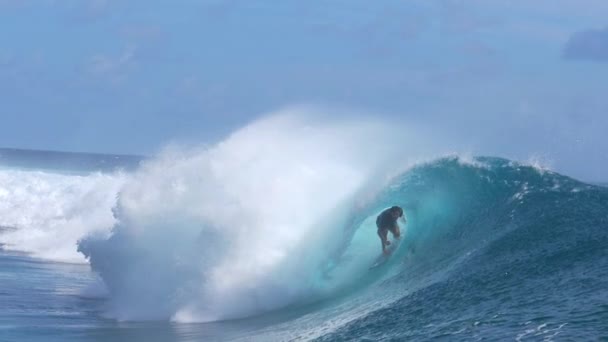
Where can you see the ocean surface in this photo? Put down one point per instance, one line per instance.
(181, 247)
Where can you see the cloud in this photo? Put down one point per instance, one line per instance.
(589, 45)
(114, 68)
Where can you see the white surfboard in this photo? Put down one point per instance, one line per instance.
(383, 258)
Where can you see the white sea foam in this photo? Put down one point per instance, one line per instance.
(46, 213)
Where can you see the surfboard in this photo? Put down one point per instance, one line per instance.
(383, 258)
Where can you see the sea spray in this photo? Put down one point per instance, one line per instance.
(220, 232)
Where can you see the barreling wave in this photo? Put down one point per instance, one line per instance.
(493, 249)
(282, 213)
(492, 244)
(281, 216)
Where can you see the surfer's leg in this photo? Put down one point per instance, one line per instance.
(383, 234)
(396, 232)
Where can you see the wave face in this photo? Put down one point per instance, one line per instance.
(497, 250)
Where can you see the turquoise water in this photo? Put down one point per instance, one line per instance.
(492, 250)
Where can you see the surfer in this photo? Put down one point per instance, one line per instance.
(387, 221)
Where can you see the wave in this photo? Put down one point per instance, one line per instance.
(281, 214)
(48, 212)
(490, 242)
(238, 228)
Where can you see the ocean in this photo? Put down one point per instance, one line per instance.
(234, 243)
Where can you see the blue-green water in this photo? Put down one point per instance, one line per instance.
(493, 250)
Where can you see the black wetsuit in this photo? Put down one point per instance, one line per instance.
(386, 221)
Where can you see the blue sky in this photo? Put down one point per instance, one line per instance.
(511, 78)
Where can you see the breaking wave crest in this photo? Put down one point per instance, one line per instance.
(241, 227)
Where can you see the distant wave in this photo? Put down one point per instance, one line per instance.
(67, 161)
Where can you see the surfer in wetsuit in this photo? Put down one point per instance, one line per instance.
(387, 221)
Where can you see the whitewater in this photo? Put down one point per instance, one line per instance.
(269, 235)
